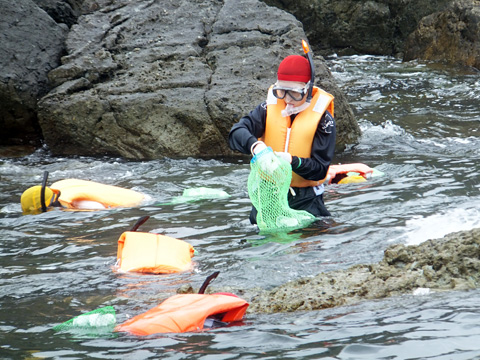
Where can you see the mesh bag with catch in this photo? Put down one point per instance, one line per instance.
(268, 186)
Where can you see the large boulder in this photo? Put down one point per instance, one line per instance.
(451, 36)
(31, 46)
(349, 27)
(144, 80)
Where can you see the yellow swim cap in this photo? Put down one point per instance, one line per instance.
(31, 199)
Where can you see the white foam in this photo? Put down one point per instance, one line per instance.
(421, 291)
(436, 226)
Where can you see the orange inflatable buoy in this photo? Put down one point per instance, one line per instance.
(153, 253)
(74, 191)
(185, 312)
(338, 174)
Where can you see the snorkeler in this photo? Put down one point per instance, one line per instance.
(77, 194)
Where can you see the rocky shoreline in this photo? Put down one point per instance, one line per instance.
(146, 80)
(450, 263)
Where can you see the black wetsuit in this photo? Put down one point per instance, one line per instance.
(252, 126)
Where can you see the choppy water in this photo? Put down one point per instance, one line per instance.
(420, 127)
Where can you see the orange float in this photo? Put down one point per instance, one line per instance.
(339, 174)
(74, 191)
(153, 253)
(185, 312)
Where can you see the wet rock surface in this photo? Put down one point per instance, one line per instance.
(348, 27)
(441, 30)
(450, 263)
(451, 36)
(32, 44)
(145, 80)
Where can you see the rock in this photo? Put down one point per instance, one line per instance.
(65, 12)
(348, 27)
(442, 30)
(451, 263)
(32, 44)
(144, 80)
(451, 36)
(194, 67)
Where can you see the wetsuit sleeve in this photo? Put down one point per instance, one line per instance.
(323, 148)
(248, 129)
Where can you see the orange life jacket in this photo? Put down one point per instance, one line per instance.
(153, 253)
(185, 312)
(73, 191)
(296, 138)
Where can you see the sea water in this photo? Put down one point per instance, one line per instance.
(420, 125)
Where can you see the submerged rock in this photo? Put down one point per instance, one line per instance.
(450, 263)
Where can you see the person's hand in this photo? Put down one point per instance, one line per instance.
(267, 161)
(284, 155)
(258, 147)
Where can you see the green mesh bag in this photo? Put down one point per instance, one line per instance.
(100, 319)
(268, 186)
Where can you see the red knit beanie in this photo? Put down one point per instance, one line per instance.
(294, 68)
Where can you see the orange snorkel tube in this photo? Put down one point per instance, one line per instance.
(308, 53)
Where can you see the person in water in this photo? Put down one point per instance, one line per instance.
(76, 194)
(297, 122)
(38, 199)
